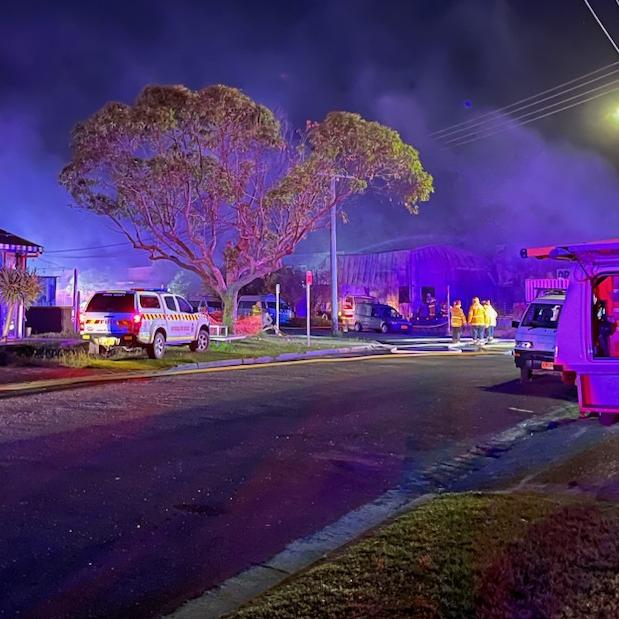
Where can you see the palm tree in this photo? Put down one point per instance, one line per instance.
(17, 287)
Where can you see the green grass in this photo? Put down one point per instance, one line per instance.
(485, 556)
(251, 347)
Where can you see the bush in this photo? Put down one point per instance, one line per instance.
(248, 325)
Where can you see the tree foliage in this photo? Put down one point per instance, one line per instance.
(17, 287)
(210, 181)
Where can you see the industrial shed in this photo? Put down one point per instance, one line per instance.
(401, 278)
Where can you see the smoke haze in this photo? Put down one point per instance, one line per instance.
(409, 65)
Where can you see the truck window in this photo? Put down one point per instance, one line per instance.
(604, 316)
(542, 315)
(184, 306)
(113, 302)
(170, 303)
(148, 301)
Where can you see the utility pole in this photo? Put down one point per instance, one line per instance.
(335, 327)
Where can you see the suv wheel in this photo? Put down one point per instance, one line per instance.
(156, 350)
(358, 327)
(526, 375)
(384, 328)
(202, 343)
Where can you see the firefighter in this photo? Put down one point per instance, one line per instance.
(491, 316)
(477, 320)
(458, 321)
(431, 303)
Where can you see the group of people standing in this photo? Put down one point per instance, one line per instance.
(481, 318)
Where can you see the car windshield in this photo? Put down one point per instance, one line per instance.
(542, 315)
(116, 302)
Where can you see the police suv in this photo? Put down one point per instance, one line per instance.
(149, 319)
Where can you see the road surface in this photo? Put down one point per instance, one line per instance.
(125, 500)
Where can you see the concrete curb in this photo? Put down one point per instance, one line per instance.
(328, 354)
(288, 356)
(17, 389)
(297, 556)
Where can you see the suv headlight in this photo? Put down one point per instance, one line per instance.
(522, 344)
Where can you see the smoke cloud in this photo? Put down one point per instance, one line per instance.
(409, 65)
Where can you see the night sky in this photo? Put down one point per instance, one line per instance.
(417, 65)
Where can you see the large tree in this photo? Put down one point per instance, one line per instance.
(210, 180)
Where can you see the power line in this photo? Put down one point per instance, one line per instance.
(601, 25)
(526, 122)
(497, 113)
(515, 119)
(97, 256)
(89, 248)
(507, 108)
(54, 264)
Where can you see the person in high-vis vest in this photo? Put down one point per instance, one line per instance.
(458, 321)
(491, 316)
(477, 320)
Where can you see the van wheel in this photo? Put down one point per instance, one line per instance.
(202, 343)
(156, 350)
(358, 327)
(526, 375)
(384, 328)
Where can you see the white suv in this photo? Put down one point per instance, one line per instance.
(149, 319)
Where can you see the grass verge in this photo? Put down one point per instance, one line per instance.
(489, 556)
(263, 346)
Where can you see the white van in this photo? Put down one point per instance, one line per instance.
(536, 334)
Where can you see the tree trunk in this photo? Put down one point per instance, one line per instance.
(230, 303)
(7, 321)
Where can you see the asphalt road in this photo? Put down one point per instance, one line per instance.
(125, 500)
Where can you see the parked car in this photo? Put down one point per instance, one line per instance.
(148, 319)
(267, 304)
(379, 317)
(536, 334)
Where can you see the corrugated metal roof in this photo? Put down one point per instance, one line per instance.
(12, 242)
(389, 267)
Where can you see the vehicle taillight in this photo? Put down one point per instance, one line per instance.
(82, 325)
(137, 322)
